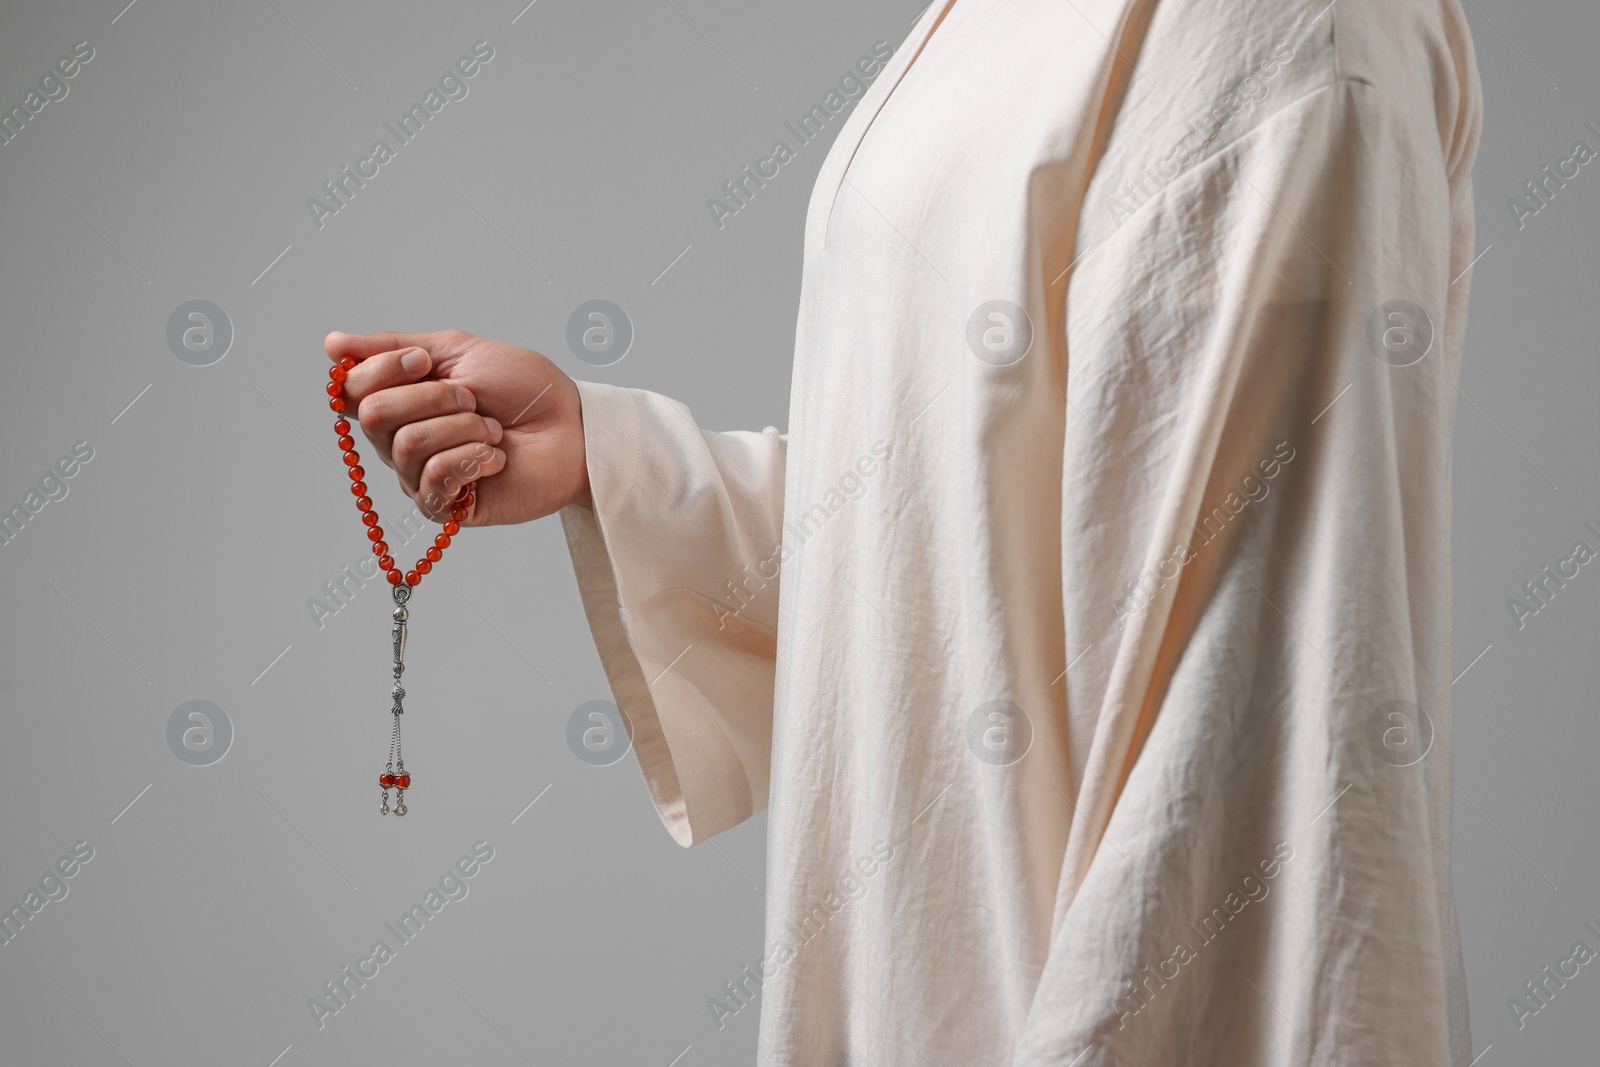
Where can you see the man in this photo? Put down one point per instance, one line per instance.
(1104, 714)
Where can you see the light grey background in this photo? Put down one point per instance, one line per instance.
(180, 563)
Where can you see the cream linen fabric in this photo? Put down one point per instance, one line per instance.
(1198, 534)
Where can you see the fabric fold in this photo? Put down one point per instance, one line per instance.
(677, 567)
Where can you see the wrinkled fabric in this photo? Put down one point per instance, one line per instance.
(1086, 636)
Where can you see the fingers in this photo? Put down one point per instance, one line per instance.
(385, 371)
(417, 442)
(382, 413)
(360, 346)
(447, 473)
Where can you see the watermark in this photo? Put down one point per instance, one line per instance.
(850, 486)
(340, 990)
(742, 990)
(599, 733)
(999, 332)
(1553, 578)
(459, 477)
(339, 591)
(52, 889)
(52, 487)
(999, 733)
(1551, 979)
(1400, 333)
(342, 189)
(599, 332)
(199, 733)
(1138, 992)
(1139, 593)
(199, 333)
(53, 88)
(852, 85)
(1541, 190)
(1203, 129)
(352, 578)
(1399, 733)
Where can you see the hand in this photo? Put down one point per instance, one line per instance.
(444, 409)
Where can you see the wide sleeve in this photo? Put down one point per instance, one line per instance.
(1271, 339)
(677, 568)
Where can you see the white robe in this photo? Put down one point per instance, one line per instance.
(1075, 718)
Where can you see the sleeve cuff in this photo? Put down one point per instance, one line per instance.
(688, 684)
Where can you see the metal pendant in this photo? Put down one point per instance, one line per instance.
(395, 775)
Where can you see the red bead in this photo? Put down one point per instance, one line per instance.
(347, 363)
(358, 488)
(423, 566)
(337, 403)
(356, 473)
(380, 548)
(412, 577)
(451, 528)
(466, 491)
(338, 373)
(341, 426)
(369, 518)
(386, 780)
(385, 561)
(403, 781)
(394, 577)
(346, 442)
(352, 458)
(432, 556)
(374, 533)
(442, 541)
(336, 389)
(457, 514)
(363, 503)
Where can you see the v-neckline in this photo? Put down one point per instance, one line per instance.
(861, 120)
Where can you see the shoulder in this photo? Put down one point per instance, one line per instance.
(1207, 84)
(1418, 58)
(1252, 58)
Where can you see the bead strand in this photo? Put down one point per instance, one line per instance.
(358, 488)
(394, 776)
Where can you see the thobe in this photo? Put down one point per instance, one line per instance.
(1086, 636)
